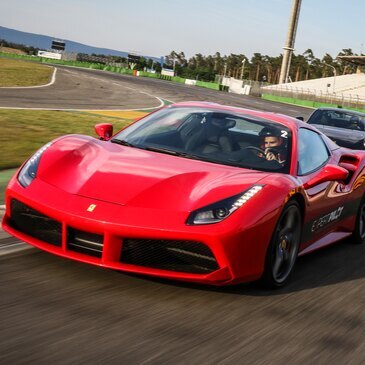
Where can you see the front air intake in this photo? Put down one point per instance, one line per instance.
(85, 242)
(35, 224)
(181, 256)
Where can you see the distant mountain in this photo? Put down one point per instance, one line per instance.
(44, 42)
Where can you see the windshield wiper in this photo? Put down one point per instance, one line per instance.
(192, 157)
(171, 152)
(122, 142)
(162, 150)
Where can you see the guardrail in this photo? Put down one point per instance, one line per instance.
(313, 98)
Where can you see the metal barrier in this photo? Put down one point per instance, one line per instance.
(344, 100)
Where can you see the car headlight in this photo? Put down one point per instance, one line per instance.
(29, 170)
(216, 212)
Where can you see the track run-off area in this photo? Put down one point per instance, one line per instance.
(57, 311)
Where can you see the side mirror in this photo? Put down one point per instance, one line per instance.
(329, 173)
(104, 131)
(300, 118)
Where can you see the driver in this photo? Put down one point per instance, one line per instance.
(273, 144)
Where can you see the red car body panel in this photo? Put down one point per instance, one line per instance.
(140, 194)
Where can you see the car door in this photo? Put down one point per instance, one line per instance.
(325, 207)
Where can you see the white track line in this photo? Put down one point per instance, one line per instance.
(53, 79)
(14, 247)
(161, 104)
(89, 110)
(99, 77)
(99, 110)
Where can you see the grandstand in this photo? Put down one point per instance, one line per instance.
(353, 84)
(343, 90)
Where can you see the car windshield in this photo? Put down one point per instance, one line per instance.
(339, 119)
(212, 135)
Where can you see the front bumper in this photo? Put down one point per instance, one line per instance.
(103, 234)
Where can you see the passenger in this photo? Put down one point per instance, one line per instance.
(273, 144)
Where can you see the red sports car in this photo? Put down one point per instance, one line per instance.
(194, 191)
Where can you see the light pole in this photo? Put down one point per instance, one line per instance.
(289, 46)
(243, 67)
(334, 76)
(225, 69)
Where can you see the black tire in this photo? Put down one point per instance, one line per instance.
(358, 237)
(283, 249)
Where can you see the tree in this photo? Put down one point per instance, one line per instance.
(345, 67)
(256, 62)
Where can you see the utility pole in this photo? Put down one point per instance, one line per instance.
(289, 47)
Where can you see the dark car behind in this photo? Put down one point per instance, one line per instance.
(345, 127)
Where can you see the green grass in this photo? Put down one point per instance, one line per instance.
(21, 73)
(22, 132)
(5, 176)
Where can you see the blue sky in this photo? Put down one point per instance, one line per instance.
(156, 27)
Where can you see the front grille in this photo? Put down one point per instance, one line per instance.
(35, 224)
(85, 242)
(182, 256)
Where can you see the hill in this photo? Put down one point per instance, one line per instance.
(44, 42)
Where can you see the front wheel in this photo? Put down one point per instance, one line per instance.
(358, 237)
(283, 249)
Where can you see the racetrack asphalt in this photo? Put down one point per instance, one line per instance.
(56, 311)
(92, 89)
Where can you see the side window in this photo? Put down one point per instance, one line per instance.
(356, 124)
(312, 151)
(320, 117)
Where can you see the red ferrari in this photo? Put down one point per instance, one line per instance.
(195, 191)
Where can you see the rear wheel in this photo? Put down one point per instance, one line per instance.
(283, 249)
(358, 237)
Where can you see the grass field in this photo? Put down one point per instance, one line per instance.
(22, 132)
(21, 73)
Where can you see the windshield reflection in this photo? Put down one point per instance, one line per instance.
(214, 136)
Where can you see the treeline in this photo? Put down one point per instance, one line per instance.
(205, 68)
(259, 67)
(27, 49)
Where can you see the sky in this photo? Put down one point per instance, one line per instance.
(156, 27)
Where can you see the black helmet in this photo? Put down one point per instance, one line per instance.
(270, 131)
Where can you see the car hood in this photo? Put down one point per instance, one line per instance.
(109, 172)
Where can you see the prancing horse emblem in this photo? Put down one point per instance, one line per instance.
(91, 207)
